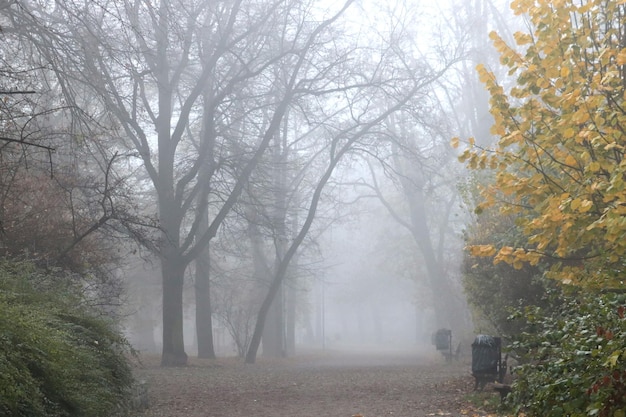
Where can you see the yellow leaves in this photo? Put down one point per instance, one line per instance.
(497, 130)
(484, 75)
(552, 72)
(522, 38)
(558, 3)
(560, 159)
(517, 257)
(570, 160)
(511, 138)
(455, 142)
(521, 6)
(508, 55)
(569, 133)
(505, 251)
(554, 216)
(612, 237)
(584, 8)
(594, 167)
(476, 160)
(567, 278)
(542, 84)
(613, 145)
(484, 251)
(533, 258)
(576, 203)
(571, 97)
(581, 116)
(606, 55)
(581, 205)
(610, 81)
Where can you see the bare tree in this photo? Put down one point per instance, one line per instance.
(199, 91)
(63, 195)
(358, 133)
(421, 162)
(151, 65)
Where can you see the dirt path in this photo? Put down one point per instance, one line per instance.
(313, 385)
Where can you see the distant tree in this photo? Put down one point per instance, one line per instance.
(427, 184)
(465, 104)
(412, 172)
(360, 117)
(350, 140)
(236, 304)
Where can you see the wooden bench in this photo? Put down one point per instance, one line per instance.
(502, 389)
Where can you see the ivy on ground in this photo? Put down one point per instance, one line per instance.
(57, 357)
(574, 359)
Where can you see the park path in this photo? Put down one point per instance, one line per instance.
(399, 383)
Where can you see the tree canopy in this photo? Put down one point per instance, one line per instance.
(559, 162)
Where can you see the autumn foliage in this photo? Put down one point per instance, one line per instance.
(40, 218)
(561, 126)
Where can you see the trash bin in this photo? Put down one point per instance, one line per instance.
(487, 360)
(443, 339)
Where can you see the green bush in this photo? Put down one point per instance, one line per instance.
(575, 359)
(494, 289)
(57, 358)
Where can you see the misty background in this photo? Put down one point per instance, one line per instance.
(362, 279)
(254, 175)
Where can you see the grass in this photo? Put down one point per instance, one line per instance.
(488, 401)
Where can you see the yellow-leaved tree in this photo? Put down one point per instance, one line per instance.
(559, 161)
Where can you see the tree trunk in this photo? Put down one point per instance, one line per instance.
(173, 341)
(291, 292)
(204, 320)
(273, 332)
(281, 267)
(448, 312)
(291, 302)
(320, 315)
(204, 312)
(259, 327)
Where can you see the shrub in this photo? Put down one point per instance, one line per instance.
(57, 358)
(574, 359)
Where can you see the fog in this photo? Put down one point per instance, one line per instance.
(362, 288)
(349, 305)
(368, 299)
(378, 266)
